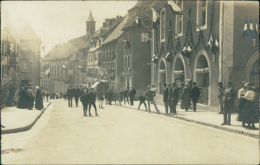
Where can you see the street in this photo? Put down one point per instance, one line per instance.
(122, 135)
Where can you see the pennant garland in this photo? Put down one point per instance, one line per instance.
(138, 21)
(245, 29)
(156, 19)
(188, 43)
(168, 55)
(155, 58)
(251, 29)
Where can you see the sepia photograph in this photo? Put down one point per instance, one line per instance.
(130, 82)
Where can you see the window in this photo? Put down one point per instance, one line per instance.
(202, 14)
(179, 20)
(162, 25)
(129, 61)
(31, 66)
(144, 37)
(24, 66)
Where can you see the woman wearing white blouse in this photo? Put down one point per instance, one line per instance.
(251, 112)
(241, 92)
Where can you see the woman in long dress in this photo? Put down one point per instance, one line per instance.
(251, 112)
(22, 102)
(241, 92)
(38, 102)
(185, 97)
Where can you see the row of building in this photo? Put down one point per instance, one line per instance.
(162, 41)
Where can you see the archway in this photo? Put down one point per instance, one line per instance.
(161, 75)
(202, 78)
(252, 73)
(179, 70)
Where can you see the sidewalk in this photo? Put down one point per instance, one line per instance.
(207, 118)
(18, 120)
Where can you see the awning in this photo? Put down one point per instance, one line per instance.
(94, 85)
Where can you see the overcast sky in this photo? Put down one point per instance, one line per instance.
(62, 21)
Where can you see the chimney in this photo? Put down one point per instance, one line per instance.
(117, 19)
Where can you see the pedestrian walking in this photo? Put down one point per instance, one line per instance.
(165, 98)
(116, 96)
(38, 101)
(125, 95)
(30, 98)
(101, 99)
(150, 98)
(251, 108)
(195, 94)
(228, 103)
(92, 100)
(241, 92)
(43, 95)
(121, 95)
(22, 102)
(85, 101)
(110, 96)
(170, 98)
(221, 90)
(142, 100)
(61, 94)
(70, 95)
(77, 94)
(132, 94)
(175, 98)
(185, 97)
(47, 96)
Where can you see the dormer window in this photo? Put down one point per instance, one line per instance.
(162, 25)
(202, 14)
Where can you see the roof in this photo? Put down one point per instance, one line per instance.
(64, 51)
(142, 3)
(117, 32)
(159, 4)
(90, 17)
(131, 19)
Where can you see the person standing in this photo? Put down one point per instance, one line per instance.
(30, 100)
(38, 101)
(43, 95)
(251, 108)
(125, 94)
(116, 96)
(60, 94)
(22, 103)
(85, 101)
(150, 98)
(175, 97)
(165, 98)
(228, 103)
(84, 87)
(47, 95)
(170, 98)
(221, 90)
(142, 101)
(185, 97)
(241, 92)
(77, 94)
(121, 95)
(101, 99)
(70, 95)
(195, 94)
(92, 101)
(132, 95)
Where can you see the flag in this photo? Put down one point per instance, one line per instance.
(46, 69)
(138, 21)
(155, 18)
(251, 29)
(176, 10)
(245, 29)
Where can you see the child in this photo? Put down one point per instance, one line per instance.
(142, 100)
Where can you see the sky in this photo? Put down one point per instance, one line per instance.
(60, 21)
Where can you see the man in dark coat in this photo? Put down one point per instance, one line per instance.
(165, 98)
(170, 97)
(228, 103)
(150, 95)
(70, 95)
(125, 94)
(175, 97)
(185, 97)
(77, 94)
(132, 95)
(85, 101)
(121, 95)
(22, 103)
(38, 101)
(47, 96)
(195, 93)
(92, 100)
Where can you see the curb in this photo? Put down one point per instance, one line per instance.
(24, 128)
(203, 123)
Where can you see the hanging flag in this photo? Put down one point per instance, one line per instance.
(175, 9)
(138, 21)
(245, 29)
(251, 29)
(46, 69)
(155, 18)
(256, 30)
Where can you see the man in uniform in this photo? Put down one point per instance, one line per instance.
(195, 93)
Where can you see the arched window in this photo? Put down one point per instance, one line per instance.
(162, 25)
(129, 61)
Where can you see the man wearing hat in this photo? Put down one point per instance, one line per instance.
(221, 91)
(165, 97)
(69, 95)
(228, 103)
(241, 92)
(175, 96)
(195, 93)
(150, 98)
(132, 94)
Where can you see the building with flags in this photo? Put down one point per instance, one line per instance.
(204, 42)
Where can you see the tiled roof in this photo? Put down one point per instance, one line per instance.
(117, 32)
(64, 51)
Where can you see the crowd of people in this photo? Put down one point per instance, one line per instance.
(29, 99)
